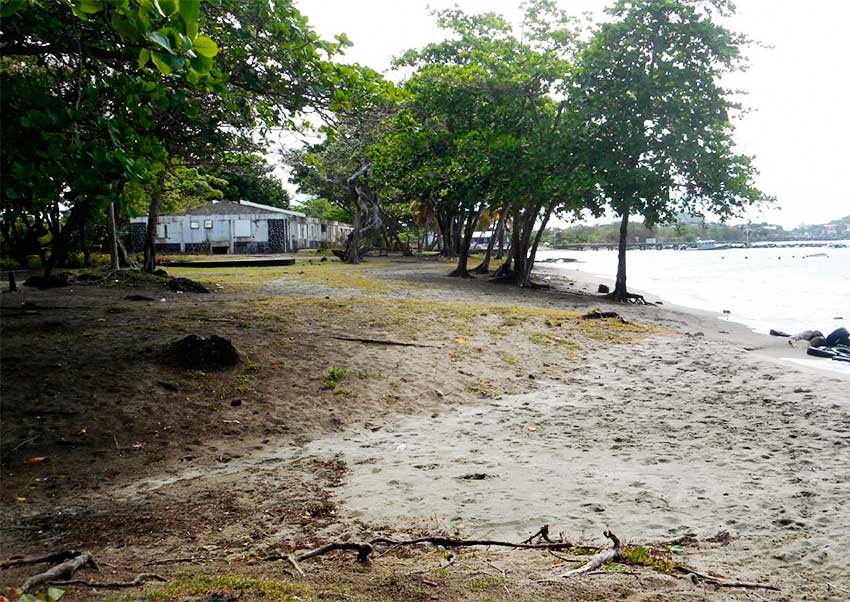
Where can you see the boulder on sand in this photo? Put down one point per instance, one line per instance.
(808, 335)
(839, 336)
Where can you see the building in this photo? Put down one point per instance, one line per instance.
(226, 227)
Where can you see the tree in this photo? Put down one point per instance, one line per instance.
(80, 81)
(252, 179)
(650, 92)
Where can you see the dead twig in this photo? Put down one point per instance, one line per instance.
(541, 535)
(697, 578)
(383, 342)
(139, 580)
(65, 569)
(174, 561)
(291, 559)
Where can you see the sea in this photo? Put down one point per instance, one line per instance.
(790, 289)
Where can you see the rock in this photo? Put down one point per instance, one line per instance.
(186, 285)
(808, 335)
(778, 333)
(52, 281)
(726, 311)
(603, 289)
(139, 298)
(160, 272)
(200, 353)
(817, 342)
(236, 403)
(839, 336)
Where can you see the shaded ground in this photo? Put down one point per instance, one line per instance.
(585, 424)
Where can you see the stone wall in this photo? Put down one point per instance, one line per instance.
(277, 236)
(137, 238)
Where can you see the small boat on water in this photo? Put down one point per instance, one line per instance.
(709, 245)
(815, 255)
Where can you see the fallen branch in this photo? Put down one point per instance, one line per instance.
(542, 535)
(603, 315)
(139, 580)
(363, 550)
(47, 558)
(65, 569)
(174, 561)
(600, 559)
(383, 342)
(696, 578)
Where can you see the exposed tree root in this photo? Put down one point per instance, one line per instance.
(627, 297)
(60, 571)
(140, 579)
(364, 550)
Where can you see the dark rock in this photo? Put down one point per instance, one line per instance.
(839, 336)
(139, 298)
(323, 260)
(818, 342)
(236, 403)
(167, 385)
(475, 476)
(808, 335)
(52, 281)
(778, 333)
(199, 353)
(186, 285)
(726, 311)
(603, 289)
(160, 272)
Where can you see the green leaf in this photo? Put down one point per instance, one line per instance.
(10, 8)
(90, 7)
(201, 64)
(205, 46)
(161, 39)
(54, 593)
(144, 57)
(167, 63)
(167, 7)
(190, 12)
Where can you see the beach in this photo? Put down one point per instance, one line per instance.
(506, 411)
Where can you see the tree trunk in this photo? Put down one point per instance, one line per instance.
(620, 291)
(153, 218)
(462, 269)
(484, 267)
(61, 239)
(114, 259)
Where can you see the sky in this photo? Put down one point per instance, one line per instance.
(798, 123)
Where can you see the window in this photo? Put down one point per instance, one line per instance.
(243, 227)
(324, 228)
(208, 224)
(194, 225)
(161, 231)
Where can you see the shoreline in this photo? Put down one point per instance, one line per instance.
(769, 348)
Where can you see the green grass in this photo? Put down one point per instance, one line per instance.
(185, 587)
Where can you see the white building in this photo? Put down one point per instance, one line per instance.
(225, 227)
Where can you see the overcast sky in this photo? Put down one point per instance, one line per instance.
(798, 127)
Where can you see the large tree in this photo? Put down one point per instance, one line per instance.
(651, 92)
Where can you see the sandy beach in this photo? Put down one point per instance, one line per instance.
(510, 412)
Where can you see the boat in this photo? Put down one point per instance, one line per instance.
(709, 245)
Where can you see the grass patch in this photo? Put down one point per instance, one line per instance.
(334, 376)
(249, 588)
(643, 556)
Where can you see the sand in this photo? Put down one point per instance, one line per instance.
(699, 429)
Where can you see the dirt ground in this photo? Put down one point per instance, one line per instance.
(504, 410)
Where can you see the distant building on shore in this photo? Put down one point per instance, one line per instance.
(225, 227)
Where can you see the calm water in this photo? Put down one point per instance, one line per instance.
(762, 288)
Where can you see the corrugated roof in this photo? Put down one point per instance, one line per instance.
(231, 208)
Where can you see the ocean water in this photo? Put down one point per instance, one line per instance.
(760, 287)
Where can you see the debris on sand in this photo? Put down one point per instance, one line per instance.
(203, 353)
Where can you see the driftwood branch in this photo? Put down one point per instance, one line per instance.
(60, 571)
(47, 558)
(600, 559)
(364, 550)
(139, 580)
